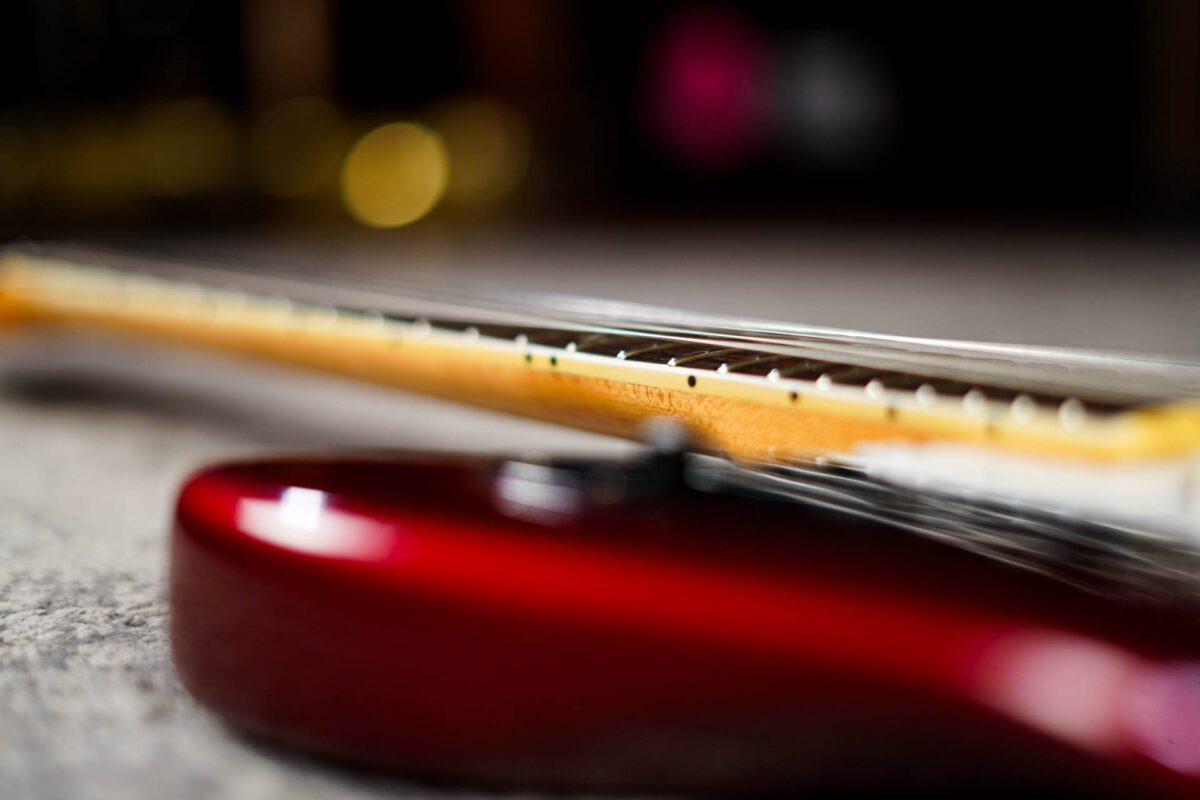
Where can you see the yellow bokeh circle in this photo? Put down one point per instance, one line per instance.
(394, 175)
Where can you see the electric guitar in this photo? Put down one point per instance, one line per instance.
(854, 561)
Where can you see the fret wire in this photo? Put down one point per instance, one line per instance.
(668, 355)
(606, 344)
(721, 351)
(757, 362)
(713, 361)
(807, 369)
(647, 348)
(589, 340)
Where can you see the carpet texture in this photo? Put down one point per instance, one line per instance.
(94, 441)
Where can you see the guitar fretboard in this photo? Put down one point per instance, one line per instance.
(815, 374)
(754, 390)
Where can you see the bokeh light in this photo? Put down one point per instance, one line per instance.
(394, 175)
(836, 104)
(488, 144)
(186, 146)
(296, 147)
(709, 97)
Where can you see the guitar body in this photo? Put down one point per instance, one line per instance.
(612, 626)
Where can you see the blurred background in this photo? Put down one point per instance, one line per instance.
(384, 115)
(770, 136)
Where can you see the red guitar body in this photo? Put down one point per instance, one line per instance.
(528, 626)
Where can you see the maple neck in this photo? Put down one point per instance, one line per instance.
(754, 390)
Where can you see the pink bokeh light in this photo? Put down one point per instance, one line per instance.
(709, 87)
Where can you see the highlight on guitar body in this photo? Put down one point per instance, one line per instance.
(888, 552)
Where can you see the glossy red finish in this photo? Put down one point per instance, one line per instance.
(470, 623)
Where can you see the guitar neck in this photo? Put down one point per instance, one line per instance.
(752, 390)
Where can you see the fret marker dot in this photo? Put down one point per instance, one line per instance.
(975, 402)
(1071, 414)
(793, 396)
(1023, 409)
(529, 358)
(691, 380)
(554, 361)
